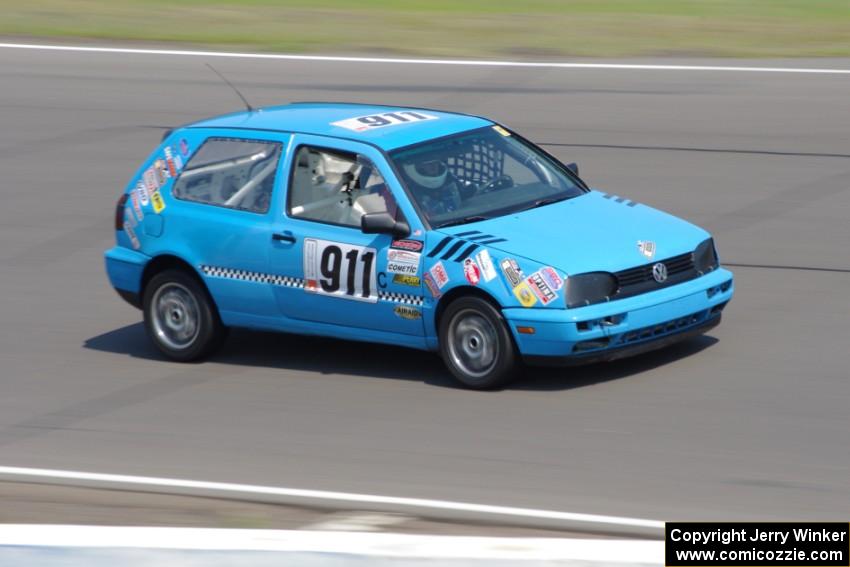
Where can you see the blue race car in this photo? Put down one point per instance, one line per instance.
(405, 226)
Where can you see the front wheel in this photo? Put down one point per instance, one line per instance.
(180, 318)
(476, 345)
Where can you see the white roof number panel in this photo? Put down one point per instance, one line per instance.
(373, 121)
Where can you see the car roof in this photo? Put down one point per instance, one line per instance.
(317, 118)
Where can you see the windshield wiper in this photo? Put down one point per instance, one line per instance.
(544, 202)
(464, 220)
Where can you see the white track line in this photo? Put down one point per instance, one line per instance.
(407, 61)
(604, 551)
(314, 497)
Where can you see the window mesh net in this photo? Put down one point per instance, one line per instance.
(482, 162)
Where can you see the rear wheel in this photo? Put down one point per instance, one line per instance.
(180, 317)
(476, 345)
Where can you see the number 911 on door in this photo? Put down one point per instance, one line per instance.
(339, 269)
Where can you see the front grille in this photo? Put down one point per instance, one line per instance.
(639, 280)
(661, 329)
(675, 265)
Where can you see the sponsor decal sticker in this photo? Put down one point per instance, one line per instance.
(340, 269)
(137, 207)
(471, 271)
(184, 147)
(178, 162)
(151, 181)
(524, 294)
(372, 121)
(438, 272)
(159, 168)
(129, 218)
(134, 240)
(169, 161)
(157, 202)
(143, 193)
(551, 277)
(432, 286)
(404, 279)
(647, 248)
(485, 263)
(540, 288)
(410, 245)
(402, 262)
(407, 312)
(512, 271)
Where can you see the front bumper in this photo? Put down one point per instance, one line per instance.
(621, 328)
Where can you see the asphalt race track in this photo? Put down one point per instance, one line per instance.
(749, 422)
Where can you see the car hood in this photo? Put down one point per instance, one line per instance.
(592, 232)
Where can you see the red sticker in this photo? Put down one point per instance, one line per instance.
(410, 245)
(471, 271)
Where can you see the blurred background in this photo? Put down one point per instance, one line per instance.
(471, 28)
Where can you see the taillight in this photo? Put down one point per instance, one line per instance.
(119, 212)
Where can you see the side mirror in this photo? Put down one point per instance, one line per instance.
(383, 223)
(573, 167)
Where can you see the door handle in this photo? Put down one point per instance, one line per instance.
(283, 237)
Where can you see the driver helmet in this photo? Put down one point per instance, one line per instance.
(430, 174)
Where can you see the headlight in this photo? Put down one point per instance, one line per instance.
(705, 257)
(586, 289)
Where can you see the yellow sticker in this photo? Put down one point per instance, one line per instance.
(406, 312)
(157, 202)
(501, 130)
(405, 279)
(524, 294)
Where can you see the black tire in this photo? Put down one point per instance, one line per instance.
(476, 345)
(180, 317)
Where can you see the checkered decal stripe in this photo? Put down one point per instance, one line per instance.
(248, 276)
(286, 281)
(400, 298)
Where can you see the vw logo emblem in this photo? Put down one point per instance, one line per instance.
(659, 272)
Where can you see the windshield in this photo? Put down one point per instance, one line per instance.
(481, 174)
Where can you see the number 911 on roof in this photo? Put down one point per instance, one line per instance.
(373, 121)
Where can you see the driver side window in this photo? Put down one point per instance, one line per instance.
(336, 187)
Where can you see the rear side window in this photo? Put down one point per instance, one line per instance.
(230, 172)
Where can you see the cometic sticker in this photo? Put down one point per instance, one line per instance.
(372, 121)
(402, 262)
